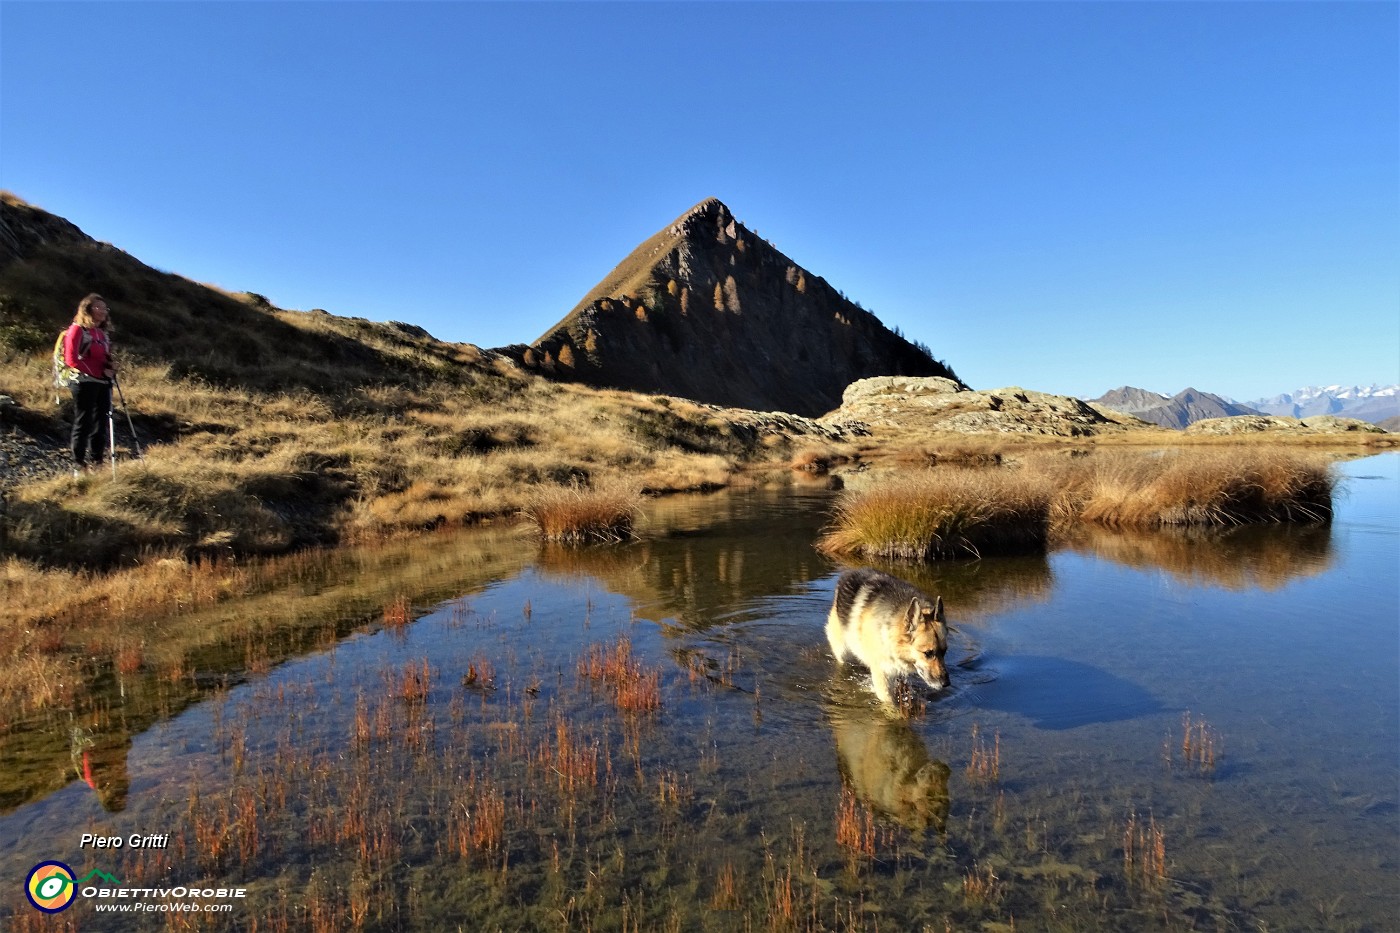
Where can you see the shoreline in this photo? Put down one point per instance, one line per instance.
(57, 621)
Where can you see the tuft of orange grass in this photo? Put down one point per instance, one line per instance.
(411, 685)
(572, 760)
(129, 658)
(984, 767)
(476, 823)
(398, 613)
(1201, 745)
(481, 673)
(855, 827)
(726, 896)
(982, 887)
(35, 681)
(943, 513)
(817, 459)
(1144, 852)
(579, 514)
(634, 689)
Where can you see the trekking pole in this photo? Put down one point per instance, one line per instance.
(132, 427)
(112, 436)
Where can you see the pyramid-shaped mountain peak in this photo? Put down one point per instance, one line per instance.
(705, 309)
(709, 206)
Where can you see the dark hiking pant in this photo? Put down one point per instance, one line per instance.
(92, 401)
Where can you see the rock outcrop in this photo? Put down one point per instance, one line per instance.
(1255, 424)
(707, 310)
(937, 404)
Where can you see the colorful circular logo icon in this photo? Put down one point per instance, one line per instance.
(50, 887)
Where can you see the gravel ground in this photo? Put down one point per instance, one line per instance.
(29, 452)
(25, 458)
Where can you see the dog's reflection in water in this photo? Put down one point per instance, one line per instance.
(887, 766)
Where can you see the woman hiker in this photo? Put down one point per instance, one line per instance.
(87, 349)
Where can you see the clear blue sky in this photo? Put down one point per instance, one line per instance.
(1068, 197)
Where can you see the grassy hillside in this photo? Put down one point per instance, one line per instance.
(270, 429)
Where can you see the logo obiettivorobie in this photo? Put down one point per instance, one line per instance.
(51, 886)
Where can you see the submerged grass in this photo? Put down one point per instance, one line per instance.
(945, 513)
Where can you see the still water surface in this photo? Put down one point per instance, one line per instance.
(1145, 731)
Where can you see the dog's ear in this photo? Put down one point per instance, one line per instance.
(938, 615)
(913, 614)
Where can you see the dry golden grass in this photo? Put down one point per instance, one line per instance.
(818, 459)
(577, 514)
(260, 473)
(982, 887)
(1201, 487)
(943, 513)
(1279, 440)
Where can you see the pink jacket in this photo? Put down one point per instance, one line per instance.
(93, 362)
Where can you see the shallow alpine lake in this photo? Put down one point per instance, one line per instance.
(1165, 731)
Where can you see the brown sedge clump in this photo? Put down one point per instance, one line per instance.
(398, 613)
(1144, 852)
(634, 689)
(726, 896)
(984, 767)
(579, 514)
(982, 887)
(940, 514)
(1201, 746)
(855, 827)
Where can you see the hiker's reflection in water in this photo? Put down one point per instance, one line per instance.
(100, 762)
(886, 765)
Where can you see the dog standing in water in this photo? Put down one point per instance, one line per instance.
(890, 627)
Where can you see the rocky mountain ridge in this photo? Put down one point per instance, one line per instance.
(1178, 411)
(706, 310)
(1131, 399)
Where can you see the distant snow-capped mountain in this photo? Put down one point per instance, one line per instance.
(1371, 403)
